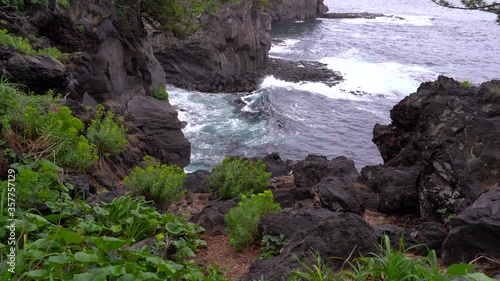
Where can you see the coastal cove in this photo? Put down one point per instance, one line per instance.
(382, 60)
(249, 140)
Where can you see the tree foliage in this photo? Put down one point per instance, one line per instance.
(480, 5)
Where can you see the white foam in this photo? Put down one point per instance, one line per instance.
(389, 79)
(394, 19)
(283, 47)
(312, 87)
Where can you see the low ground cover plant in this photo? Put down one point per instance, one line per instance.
(236, 177)
(38, 126)
(107, 132)
(159, 182)
(242, 221)
(23, 46)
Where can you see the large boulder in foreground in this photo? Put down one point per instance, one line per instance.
(476, 231)
(338, 235)
(453, 133)
(310, 171)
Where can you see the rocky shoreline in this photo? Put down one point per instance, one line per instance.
(439, 182)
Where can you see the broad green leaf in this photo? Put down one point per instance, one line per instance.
(32, 253)
(54, 218)
(89, 226)
(70, 237)
(478, 277)
(173, 228)
(128, 277)
(59, 259)
(101, 211)
(38, 273)
(459, 268)
(42, 243)
(116, 270)
(86, 257)
(89, 276)
(116, 228)
(110, 243)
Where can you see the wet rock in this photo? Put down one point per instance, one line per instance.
(352, 15)
(289, 222)
(451, 132)
(162, 130)
(338, 235)
(217, 58)
(196, 182)
(300, 71)
(309, 172)
(397, 187)
(339, 195)
(475, 231)
(275, 165)
(292, 197)
(82, 186)
(39, 74)
(211, 218)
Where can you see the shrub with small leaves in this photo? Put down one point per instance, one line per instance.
(236, 177)
(38, 126)
(107, 132)
(242, 221)
(23, 46)
(159, 93)
(159, 182)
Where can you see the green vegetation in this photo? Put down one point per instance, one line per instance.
(465, 84)
(82, 242)
(271, 245)
(159, 93)
(480, 5)
(107, 134)
(160, 182)
(23, 46)
(22, 4)
(39, 126)
(38, 182)
(390, 265)
(242, 221)
(236, 177)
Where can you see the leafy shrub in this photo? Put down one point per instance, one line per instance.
(39, 126)
(242, 221)
(160, 182)
(159, 93)
(37, 182)
(94, 243)
(23, 46)
(107, 134)
(465, 84)
(236, 177)
(271, 245)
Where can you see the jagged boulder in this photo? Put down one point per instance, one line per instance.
(197, 182)
(452, 132)
(475, 231)
(339, 195)
(338, 235)
(396, 186)
(211, 218)
(310, 171)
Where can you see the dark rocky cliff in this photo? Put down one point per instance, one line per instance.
(104, 66)
(230, 45)
(296, 10)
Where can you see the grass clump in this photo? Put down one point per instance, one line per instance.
(159, 93)
(39, 126)
(107, 132)
(236, 177)
(159, 182)
(466, 84)
(23, 46)
(242, 221)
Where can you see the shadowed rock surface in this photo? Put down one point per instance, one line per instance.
(296, 10)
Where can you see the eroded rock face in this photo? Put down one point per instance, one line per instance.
(453, 133)
(475, 231)
(232, 44)
(296, 10)
(106, 65)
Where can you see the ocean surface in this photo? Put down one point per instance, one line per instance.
(382, 60)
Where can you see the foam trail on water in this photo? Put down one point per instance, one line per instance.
(394, 19)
